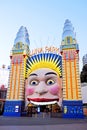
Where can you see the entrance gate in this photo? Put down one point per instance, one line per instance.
(44, 111)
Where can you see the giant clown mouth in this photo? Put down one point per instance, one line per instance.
(42, 99)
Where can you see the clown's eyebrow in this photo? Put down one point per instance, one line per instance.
(50, 73)
(33, 74)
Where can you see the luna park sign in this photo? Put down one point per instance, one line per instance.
(45, 49)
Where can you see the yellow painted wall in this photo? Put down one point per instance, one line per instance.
(16, 79)
(71, 77)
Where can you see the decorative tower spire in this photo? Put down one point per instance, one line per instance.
(68, 30)
(16, 92)
(68, 35)
(21, 42)
(72, 99)
(22, 36)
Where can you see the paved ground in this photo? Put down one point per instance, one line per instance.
(40, 123)
(47, 127)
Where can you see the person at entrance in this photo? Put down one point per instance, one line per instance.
(43, 85)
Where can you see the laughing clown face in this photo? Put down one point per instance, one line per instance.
(43, 84)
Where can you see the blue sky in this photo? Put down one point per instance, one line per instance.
(44, 20)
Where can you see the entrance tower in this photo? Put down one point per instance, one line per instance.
(72, 99)
(16, 92)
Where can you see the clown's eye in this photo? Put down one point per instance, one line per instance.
(34, 82)
(50, 82)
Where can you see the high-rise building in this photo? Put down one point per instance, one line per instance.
(84, 59)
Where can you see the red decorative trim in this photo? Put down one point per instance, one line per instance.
(24, 56)
(77, 51)
(10, 57)
(61, 52)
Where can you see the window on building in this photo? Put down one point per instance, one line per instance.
(18, 45)
(68, 39)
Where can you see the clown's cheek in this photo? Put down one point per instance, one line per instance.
(29, 91)
(54, 90)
